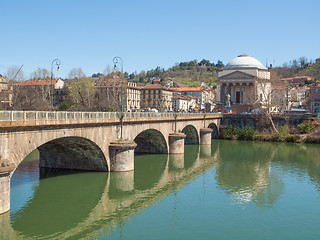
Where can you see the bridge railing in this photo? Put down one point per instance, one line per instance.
(61, 116)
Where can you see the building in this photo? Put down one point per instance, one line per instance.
(133, 97)
(5, 92)
(315, 99)
(203, 94)
(156, 96)
(296, 80)
(109, 94)
(245, 82)
(279, 99)
(40, 89)
(180, 103)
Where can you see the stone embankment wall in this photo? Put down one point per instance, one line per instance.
(253, 120)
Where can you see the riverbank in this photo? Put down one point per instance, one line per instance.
(307, 132)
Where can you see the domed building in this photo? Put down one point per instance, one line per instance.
(243, 82)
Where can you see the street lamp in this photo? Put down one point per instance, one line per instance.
(57, 63)
(116, 61)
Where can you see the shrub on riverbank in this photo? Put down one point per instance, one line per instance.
(231, 132)
(308, 132)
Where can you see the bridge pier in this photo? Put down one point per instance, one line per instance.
(205, 136)
(176, 161)
(121, 155)
(5, 175)
(176, 142)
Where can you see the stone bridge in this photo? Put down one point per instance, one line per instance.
(98, 215)
(92, 141)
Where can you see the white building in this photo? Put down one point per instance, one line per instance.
(246, 81)
(133, 97)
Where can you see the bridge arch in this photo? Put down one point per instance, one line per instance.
(151, 141)
(192, 136)
(72, 153)
(215, 132)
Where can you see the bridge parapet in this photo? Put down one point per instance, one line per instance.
(35, 118)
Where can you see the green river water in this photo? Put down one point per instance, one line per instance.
(231, 190)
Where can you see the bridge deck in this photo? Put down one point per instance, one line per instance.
(11, 119)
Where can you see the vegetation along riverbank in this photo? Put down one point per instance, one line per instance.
(306, 132)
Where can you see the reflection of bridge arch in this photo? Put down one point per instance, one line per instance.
(151, 141)
(192, 136)
(215, 132)
(52, 202)
(105, 214)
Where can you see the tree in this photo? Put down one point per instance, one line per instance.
(29, 98)
(40, 73)
(107, 70)
(273, 94)
(82, 94)
(76, 73)
(15, 73)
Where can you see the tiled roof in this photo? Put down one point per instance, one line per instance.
(188, 89)
(37, 82)
(297, 77)
(154, 86)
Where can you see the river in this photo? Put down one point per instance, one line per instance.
(231, 190)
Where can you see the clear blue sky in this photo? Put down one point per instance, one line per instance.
(147, 34)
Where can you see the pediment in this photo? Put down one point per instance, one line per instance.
(237, 75)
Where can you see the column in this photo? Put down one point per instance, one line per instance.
(5, 175)
(121, 155)
(222, 94)
(205, 136)
(176, 142)
(241, 95)
(234, 94)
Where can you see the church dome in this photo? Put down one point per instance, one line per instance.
(244, 61)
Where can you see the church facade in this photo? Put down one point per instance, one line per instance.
(244, 83)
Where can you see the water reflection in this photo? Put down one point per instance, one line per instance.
(79, 204)
(52, 210)
(244, 172)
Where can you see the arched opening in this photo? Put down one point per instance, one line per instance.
(150, 141)
(56, 192)
(191, 133)
(215, 132)
(72, 153)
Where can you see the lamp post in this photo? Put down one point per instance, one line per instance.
(57, 63)
(116, 61)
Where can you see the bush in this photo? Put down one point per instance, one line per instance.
(64, 106)
(231, 132)
(284, 130)
(306, 127)
(246, 133)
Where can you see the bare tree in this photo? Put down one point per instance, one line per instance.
(107, 70)
(15, 73)
(109, 92)
(40, 73)
(76, 73)
(272, 95)
(29, 98)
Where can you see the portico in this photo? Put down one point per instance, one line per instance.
(245, 80)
